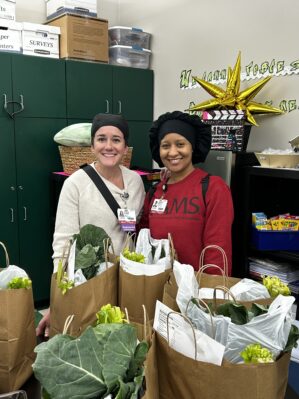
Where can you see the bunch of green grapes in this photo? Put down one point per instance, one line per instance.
(19, 282)
(275, 286)
(136, 257)
(254, 353)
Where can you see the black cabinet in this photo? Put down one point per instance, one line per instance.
(274, 192)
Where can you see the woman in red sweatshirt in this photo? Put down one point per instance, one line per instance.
(179, 204)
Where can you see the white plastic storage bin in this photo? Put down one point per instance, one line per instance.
(8, 10)
(40, 40)
(124, 36)
(77, 7)
(130, 56)
(10, 36)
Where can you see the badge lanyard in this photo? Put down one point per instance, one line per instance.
(126, 217)
(160, 204)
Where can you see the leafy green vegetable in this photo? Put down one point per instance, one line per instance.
(63, 282)
(292, 339)
(90, 249)
(257, 309)
(104, 359)
(238, 313)
(110, 314)
(275, 286)
(254, 353)
(19, 282)
(136, 257)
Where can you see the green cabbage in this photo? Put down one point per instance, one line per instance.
(77, 135)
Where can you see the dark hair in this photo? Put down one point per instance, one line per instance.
(118, 121)
(202, 133)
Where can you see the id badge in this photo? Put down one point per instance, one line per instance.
(127, 219)
(159, 206)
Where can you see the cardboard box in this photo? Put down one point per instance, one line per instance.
(10, 36)
(278, 160)
(40, 40)
(79, 7)
(82, 37)
(8, 10)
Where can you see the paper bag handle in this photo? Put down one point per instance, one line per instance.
(67, 323)
(172, 252)
(107, 243)
(6, 254)
(130, 241)
(224, 289)
(198, 275)
(202, 302)
(146, 321)
(192, 328)
(224, 257)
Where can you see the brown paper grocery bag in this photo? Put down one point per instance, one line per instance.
(135, 291)
(83, 301)
(170, 374)
(17, 337)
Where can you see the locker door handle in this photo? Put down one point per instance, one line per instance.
(107, 106)
(119, 106)
(21, 104)
(25, 213)
(12, 219)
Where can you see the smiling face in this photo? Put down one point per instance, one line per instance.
(109, 146)
(176, 155)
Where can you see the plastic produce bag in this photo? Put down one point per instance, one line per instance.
(270, 330)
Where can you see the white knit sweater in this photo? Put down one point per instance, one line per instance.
(81, 203)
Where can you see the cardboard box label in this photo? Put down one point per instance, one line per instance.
(41, 43)
(10, 37)
(7, 10)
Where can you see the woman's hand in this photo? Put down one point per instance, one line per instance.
(43, 327)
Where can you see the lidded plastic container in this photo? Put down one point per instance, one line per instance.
(125, 36)
(129, 56)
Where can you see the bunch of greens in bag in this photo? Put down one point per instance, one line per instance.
(90, 249)
(110, 314)
(275, 286)
(105, 359)
(239, 314)
(19, 282)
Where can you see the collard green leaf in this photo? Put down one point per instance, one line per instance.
(257, 309)
(125, 390)
(70, 368)
(85, 257)
(136, 364)
(138, 381)
(292, 339)
(90, 234)
(118, 352)
(237, 313)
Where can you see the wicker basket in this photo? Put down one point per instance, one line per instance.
(73, 157)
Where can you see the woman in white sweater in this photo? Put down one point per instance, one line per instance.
(82, 203)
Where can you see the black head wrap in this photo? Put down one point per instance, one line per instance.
(189, 126)
(118, 121)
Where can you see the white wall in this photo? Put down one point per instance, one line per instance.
(206, 35)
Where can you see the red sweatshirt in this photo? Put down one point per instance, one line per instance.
(193, 225)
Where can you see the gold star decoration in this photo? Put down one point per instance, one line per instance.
(231, 98)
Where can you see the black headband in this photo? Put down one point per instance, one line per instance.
(179, 127)
(118, 121)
